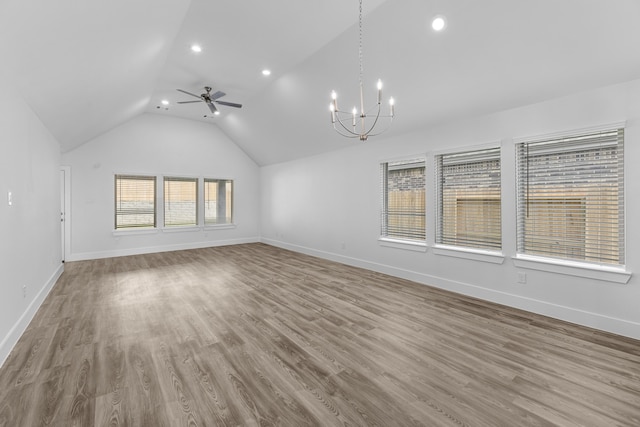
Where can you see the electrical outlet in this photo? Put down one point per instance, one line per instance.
(522, 277)
(24, 291)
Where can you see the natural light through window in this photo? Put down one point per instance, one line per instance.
(218, 201)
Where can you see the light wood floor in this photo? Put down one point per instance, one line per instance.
(258, 336)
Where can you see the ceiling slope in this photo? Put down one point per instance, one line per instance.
(493, 55)
(239, 40)
(85, 66)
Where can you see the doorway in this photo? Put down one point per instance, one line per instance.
(65, 210)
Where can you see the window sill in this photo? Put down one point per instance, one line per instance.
(469, 253)
(134, 231)
(176, 229)
(403, 244)
(181, 229)
(219, 226)
(573, 268)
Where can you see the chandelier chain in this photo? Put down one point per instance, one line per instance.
(360, 45)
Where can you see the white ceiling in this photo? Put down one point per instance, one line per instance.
(86, 66)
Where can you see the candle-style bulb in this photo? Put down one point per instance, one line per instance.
(355, 112)
(379, 91)
(391, 104)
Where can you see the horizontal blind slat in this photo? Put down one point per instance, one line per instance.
(135, 201)
(469, 206)
(570, 197)
(180, 201)
(403, 199)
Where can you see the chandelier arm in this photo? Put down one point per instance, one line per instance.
(372, 108)
(339, 120)
(383, 130)
(346, 135)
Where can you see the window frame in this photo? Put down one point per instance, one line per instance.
(467, 155)
(136, 228)
(159, 206)
(396, 240)
(175, 178)
(615, 272)
(230, 203)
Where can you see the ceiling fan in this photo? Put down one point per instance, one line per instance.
(209, 98)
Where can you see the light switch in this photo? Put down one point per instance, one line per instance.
(9, 198)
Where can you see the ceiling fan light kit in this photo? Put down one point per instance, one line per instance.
(360, 125)
(209, 98)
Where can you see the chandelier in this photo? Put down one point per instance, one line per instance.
(354, 124)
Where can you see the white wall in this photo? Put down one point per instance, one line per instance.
(328, 205)
(154, 144)
(30, 253)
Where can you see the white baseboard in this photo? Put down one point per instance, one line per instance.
(569, 314)
(156, 249)
(11, 339)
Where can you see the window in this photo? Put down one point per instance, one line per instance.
(135, 201)
(571, 197)
(403, 200)
(218, 201)
(469, 209)
(180, 202)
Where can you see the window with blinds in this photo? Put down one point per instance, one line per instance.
(571, 197)
(180, 202)
(135, 201)
(403, 199)
(469, 207)
(218, 201)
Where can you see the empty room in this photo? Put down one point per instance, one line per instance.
(319, 213)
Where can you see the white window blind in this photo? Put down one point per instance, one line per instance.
(468, 190)
(571, 197)
(135, 201)
(218, 201)
(180, 202)
(403, 199)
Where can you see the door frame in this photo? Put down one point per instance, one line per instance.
(65, 214)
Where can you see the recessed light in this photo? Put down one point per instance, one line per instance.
(439, 23)
(196, 48)
(266, 72)
(164, 102)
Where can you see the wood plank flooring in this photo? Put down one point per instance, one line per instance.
(253, 335)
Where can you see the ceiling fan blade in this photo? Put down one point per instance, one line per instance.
(218, 94)
(229, 104)
(188, 93)
(212, 107)
(187, 102)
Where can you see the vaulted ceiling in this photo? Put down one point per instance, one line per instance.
(87, 66)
